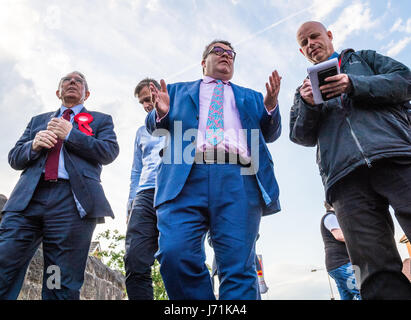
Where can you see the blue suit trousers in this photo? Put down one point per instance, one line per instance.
(51, 218)
(218, 198)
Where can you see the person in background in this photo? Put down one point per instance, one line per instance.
(337, 261)
(142, 233)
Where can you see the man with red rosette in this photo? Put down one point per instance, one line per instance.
(58, 199)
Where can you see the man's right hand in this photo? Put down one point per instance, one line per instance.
(306, 92)
(44, 139)
(161, 98)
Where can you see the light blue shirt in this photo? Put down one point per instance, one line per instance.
(62, 172)
(145, 164)
(334, 55)
(331, 222)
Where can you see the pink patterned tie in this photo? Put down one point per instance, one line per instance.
(215, 121)
(52, 162)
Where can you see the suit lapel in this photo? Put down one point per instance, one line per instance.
(194, 93)
(239, 95)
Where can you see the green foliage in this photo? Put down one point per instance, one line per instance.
(113, 255)
(158, 284)
(114, 258)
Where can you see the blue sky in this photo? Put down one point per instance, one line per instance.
(117, 43)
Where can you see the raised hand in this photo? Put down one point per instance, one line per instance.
(161, 98)
(273, 88)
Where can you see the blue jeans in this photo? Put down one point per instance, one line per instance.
(345, 280)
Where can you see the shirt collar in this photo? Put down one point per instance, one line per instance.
(207, 79)
(334, 55)
(76, 109)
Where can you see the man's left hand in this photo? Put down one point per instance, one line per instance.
(273, 88)
(337, 85)
(60, 127)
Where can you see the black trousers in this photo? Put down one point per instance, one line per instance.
(361, 201)
(141, 245)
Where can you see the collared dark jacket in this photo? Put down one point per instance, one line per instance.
(83, 158)
(368, 124)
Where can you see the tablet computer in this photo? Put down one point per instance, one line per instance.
(318, 73)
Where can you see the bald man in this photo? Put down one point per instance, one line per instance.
(363, 139)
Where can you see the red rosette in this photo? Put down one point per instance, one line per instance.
(83, 119)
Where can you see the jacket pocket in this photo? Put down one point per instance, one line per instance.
(91, 175)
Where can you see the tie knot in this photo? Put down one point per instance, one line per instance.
(219, 81)
(67, 113)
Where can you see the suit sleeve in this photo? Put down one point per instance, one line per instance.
(391, 83)
(304, 122)
(21, 156)
(101, 148)
(270, 123)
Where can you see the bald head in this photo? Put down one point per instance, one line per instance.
(315, 41)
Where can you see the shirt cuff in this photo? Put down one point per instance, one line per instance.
(158, 119)
(271, 112)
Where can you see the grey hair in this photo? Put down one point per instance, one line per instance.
(80, 75)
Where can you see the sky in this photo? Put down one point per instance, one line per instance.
(117, 43)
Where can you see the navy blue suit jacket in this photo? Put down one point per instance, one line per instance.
(183, 117)
(83, 157)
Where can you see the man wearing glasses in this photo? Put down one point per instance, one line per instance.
(58, 199)
(225, 186)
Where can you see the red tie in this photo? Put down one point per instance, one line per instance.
(52, 162)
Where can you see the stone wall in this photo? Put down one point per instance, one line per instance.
(100, 282)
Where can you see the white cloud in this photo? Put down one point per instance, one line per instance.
(396, 48)
(401, 27)
(397, 25)
(323, 8)
(408, 26)
(355, 17)
(153, 5)
(117, 43)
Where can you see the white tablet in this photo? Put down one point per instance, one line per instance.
(317, 73)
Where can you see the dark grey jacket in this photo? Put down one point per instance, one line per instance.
(84, 156)
(366, 125)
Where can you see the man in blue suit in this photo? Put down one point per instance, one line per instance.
(58, 199)
(216, 174)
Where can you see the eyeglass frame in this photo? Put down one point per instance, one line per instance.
(224, 51)
(76, 79)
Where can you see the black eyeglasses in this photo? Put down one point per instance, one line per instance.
(68, 79)
(220, 51)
